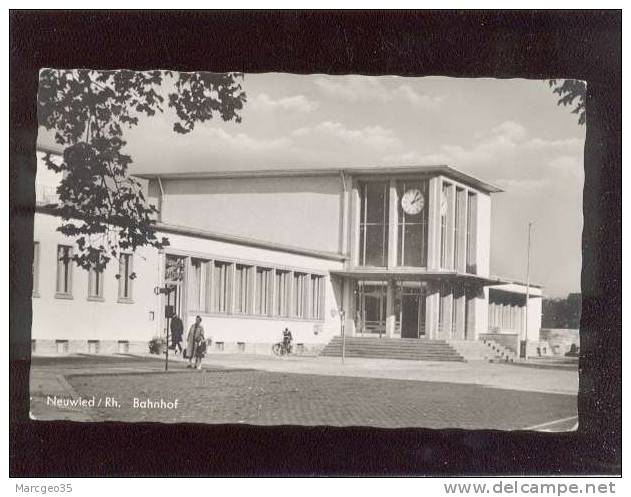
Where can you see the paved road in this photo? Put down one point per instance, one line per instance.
(224, 395)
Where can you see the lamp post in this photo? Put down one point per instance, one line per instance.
(166, 290)
(343, 328)
(527, 291)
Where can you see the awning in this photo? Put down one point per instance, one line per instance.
(415, 275)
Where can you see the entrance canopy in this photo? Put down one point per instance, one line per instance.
(376, 274)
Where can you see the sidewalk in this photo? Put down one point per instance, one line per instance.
(505, 376)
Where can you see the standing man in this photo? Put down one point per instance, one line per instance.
(287, 339)
(177, 332)
(194, 347)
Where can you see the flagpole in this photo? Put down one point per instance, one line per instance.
(527, 291)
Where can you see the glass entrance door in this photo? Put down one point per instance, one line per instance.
(371, 308)
(411, 307)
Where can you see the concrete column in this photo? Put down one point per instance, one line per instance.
(471, 332)
(451, 220)
(349, 305)
(393, 225)
(459, 302)
(355, 209)
(344, 214)
(447, 302)
(390, 316)
(433, 224)
(481, 304)
(461, 242)
(431, 311)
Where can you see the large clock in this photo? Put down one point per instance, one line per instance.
(412, 201)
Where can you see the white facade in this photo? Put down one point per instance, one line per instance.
(121, 325)
(257, 252)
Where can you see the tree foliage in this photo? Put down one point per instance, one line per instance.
(572, 93)
(100, 204)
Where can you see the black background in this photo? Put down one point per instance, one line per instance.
(504, 44)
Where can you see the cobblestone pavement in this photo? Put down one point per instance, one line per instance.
(506, 376)
(222, 395)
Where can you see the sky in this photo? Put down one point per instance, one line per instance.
(509, 132)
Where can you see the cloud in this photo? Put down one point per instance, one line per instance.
(295, 103)
(507, 156)
(372, 89)
(523, 186)
(371, 136)
(418, 99)
(243, 142)
(509, 130)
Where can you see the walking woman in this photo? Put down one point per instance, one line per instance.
(195, 342)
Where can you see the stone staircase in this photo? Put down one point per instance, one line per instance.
(474, 351)
(393, 348)
(498, 352)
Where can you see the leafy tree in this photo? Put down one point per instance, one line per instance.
(571, 90)
(100, 204)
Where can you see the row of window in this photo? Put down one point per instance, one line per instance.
(457, 228)
(506, 316)
(122, 346)
(457, 224)
(234, 288)
(94, 346)
(65, 276)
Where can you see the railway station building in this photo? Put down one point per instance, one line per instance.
(382, 252)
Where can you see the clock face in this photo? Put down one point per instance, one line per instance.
(412, 201)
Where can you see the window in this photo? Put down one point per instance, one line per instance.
(35, 269)
(125, 277)
(242, 289)
(200, 285)
(264, 291)
(283, 295)
(373, 224)
(64, 271)
(221, 286)
(241, 346)
(123, 346)
(95, 285)
(471, 232)
(219, 346)
(317, 297)
(93, 346)
(300, 295)
(62, 346)
(412, 223)
(196, 285)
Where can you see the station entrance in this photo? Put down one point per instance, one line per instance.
(410, 309)
(406, 311)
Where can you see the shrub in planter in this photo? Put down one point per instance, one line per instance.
(156, 345)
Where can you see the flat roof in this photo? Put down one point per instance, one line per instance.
(512, 281)
(438, 169)
(432, 169)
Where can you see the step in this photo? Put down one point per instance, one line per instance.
(399, 356)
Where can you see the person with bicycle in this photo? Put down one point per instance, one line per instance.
(287, 339)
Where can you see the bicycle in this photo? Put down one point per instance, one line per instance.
(281, 349)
